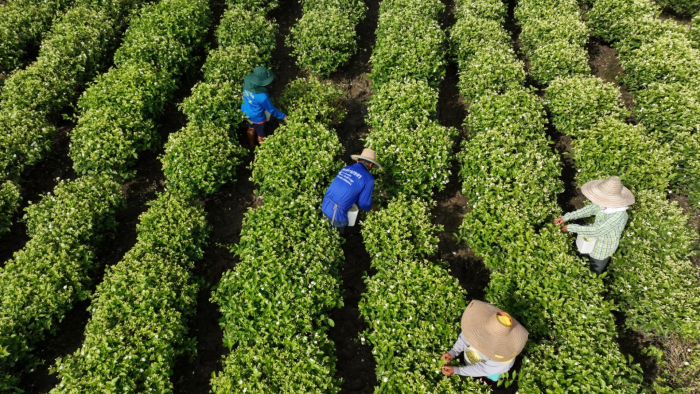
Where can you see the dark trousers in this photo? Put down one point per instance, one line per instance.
(597, 266)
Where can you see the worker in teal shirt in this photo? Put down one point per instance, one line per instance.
(257, 105)
(353, 185)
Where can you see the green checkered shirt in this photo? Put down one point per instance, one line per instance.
(607, 228)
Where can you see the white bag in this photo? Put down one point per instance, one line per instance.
(585, 245)
(352, 215)
(267, 116)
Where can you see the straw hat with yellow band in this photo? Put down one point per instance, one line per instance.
(369, 155)
(493, 332)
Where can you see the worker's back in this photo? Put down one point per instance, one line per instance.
(353, 184)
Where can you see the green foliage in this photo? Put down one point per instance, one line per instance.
(558, 59)
(166, 34)
(139, 312)
(684, 7)
(71, 55)
(694, 32)
(117, 118)
(23, 23)
(324, 38)
(257, 6)
(409, 45)
(687, 173)
(669, 58)
(529, 11)
(613, 147)
(567, 28)
(412, 306)
(654, 281)
(580, 353)
(492, 69)
(9, 202)
(288, 280)
(214, 103)
(407, 104)
(313, 100)
(298, 156)
(495, 10)
(518, 110)
(470, 34)
(614, 20)
(577, 103)
(52, 272)
(669, 108)
(258, 30)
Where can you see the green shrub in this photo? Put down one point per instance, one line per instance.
(517, 110)
(488, 9)
(644, 31)
(668, 108)
(258, 30)
(694, 32)
(231, 64)
(288, 278)
(686, 178)
(324, 38)
(654, 281)
(614, 20)
(313, 100)
(412, 307)
(117, 119)
(166, 35)
(53, 270)
(216, 103)
(490, 70)
(529, 11)
(684, 7)
(298, 156)
(472, 34)
(670, 58)
(577, 103)
(139, 313)
(424, 9)
(566, 27)
(558, 59)
(23, 23)
(613, 147)
(406, 104)
(201, 158)
(408, 46)
(9, 202)
(259, 6)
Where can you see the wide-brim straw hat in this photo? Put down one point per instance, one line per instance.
(608, 192)
(369, 155)
(495, 340)
(261, 76)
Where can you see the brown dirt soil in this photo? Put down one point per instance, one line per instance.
(605, 65)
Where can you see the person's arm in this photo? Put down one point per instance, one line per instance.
(267, 105)
(483, 369)
(588, 210)
(599, 228)
(365, 200)
(459, 346)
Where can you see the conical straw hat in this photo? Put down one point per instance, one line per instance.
(369, 155)
(608, 192)
(484, 331)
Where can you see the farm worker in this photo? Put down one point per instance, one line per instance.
(489, 342)
(610, 202)
(353, 185)
(257, 105)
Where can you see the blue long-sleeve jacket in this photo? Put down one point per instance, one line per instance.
(353, 184)
(255, 104)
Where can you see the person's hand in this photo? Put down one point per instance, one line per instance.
(563, 228)
(374, 208)
(447, 357)
(448, 371)
(285, 118)
(559, 221)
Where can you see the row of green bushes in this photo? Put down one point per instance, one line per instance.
(117, 114)
(23, 23)
(53, 271)
(553, 37)
(660, 66)
(651, 276)
(33, 99)
(412, 305)
(276, 301)
(512, 178)
(324, 38)
(69, 267)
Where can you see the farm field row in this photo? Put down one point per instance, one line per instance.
(276, 302)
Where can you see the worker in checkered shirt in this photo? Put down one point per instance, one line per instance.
(610, 202)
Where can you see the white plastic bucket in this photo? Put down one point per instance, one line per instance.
(352, 215)
(585, 245)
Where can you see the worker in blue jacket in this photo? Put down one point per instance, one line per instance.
(257, 106)
(353, 185)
